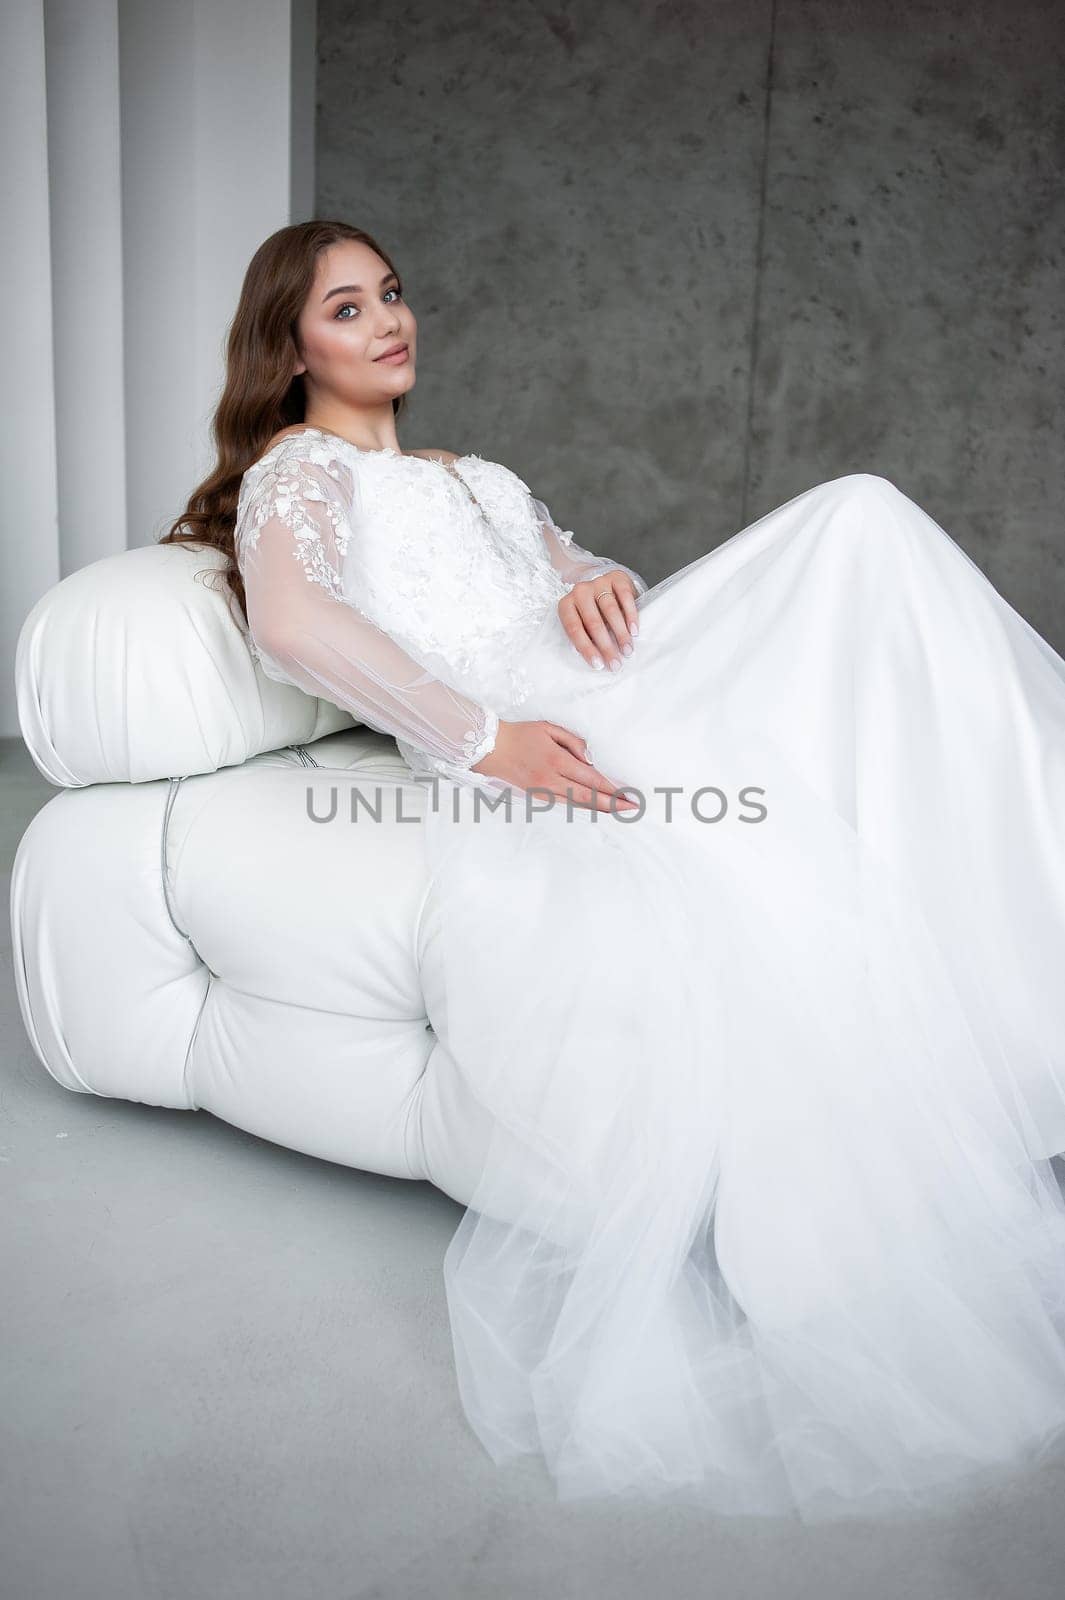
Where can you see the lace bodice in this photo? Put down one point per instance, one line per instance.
(403, 588)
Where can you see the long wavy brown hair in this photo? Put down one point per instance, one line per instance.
(261, 395)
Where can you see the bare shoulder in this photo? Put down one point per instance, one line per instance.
(436, 455)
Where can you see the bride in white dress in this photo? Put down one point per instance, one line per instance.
(775, 1050)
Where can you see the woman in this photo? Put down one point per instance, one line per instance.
(774, 1046)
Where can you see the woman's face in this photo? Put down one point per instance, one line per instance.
(352, 316)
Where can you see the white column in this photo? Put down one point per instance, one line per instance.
(150, 146)
(29, 539)
(85, 176)
(159, 107)
(303, 101)
(207, 174)
(242, 133)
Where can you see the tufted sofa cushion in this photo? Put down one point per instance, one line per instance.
(206, 944)
(187, 930)
(136, 667)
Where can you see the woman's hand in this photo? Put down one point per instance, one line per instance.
(599, 614)
(541, 755)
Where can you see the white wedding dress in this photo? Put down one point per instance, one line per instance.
(777, 1062)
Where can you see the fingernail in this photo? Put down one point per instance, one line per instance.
(615, 664)
(634, 630)
(598, 663)
(626, 649)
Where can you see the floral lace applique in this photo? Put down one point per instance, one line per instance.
(284, 491)
(450, 561)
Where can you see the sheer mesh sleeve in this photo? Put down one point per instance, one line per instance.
(291, 534)
(570, 561)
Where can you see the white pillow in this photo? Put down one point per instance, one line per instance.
(135, 668)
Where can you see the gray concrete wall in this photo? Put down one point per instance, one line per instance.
(675, 264)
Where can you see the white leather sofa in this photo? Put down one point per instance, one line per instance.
(185, 932)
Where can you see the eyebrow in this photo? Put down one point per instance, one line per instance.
(356, 288)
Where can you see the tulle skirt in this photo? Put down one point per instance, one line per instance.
(776, 1064)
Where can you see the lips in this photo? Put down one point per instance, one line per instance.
(396, 350)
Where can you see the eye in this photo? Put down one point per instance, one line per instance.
(350, 305)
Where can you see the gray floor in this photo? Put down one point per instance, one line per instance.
(227, 1373)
